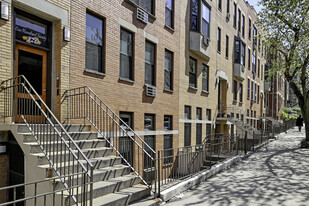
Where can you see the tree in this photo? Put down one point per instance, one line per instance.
(286, 26)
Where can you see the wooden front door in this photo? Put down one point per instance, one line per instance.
(31, 63)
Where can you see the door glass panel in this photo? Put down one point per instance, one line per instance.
(30, 65)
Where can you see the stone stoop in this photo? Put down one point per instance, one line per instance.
(114, 183)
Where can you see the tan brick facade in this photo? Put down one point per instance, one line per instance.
(220, 68)
(129, 96)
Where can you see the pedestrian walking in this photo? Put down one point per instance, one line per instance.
(299, 122)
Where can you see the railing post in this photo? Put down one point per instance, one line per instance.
(246, 133)
(159, 175)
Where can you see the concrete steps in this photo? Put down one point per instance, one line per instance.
(114, 183)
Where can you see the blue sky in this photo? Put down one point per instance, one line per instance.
(255, 4)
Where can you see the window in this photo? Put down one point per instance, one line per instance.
(262, 70)
(219, 40)
(254, 36)
(208, 130)
(249, 58)
(235, 90)
(251, 118)
(242, 117)
(258, 94)
(199, 113)
(240, 52)
(247, 116)
(127, 118)
(147, 5)
(254, 118)
(227, 6)
(258, 67)
(150, 63)
(248, 92)
(198, 134)
(252, 90)
(197, 16)
(151, 141)
(149, 122)
(227, 46)
(126, 54)
(192, 72)
(195, 23)
(205, 78)
(168, 124)
(234, 14)
(168, 70)
(249, 36)
(187, 112)
(168, 149)
(125, 143)
(187, 140)
(205, 20)
(255, 92)
(259, 45)
(94, 43)
(239, 20)
(243, 26)
(169, 17)
(240, 92)
(253, 62)
(208, 114)
(220, 5)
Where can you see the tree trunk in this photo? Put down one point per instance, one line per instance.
(306, 118)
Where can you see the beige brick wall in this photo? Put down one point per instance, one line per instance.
(119, 95)
(217, 61)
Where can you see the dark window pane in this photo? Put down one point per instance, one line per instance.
(126, 53)
(194, 15)
(94, 43)
(198, 134)
(147, 5)
(168, 70)
(187, 134)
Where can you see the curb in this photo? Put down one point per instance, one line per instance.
(198, 178)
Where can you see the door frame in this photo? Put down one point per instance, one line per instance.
(36, 51)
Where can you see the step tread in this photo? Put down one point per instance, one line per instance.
(109, 199)
(67, 152)
(76, 141)
(92, 160)
(147, 202)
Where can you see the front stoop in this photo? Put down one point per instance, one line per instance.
(114, 183)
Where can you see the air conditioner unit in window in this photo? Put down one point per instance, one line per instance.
(142, 16)
(228, 16)
(151, 91)
(206, 40)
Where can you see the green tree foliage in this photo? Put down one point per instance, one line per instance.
(286, 26)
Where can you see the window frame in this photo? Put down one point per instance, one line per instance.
(131, 68)
(219, 40)
(101, 68)
(152, 117)
(188, 112)
(248, 89)
(192, 75)
(171, 71)
(199, 113)
(234, 90)
(171, 11)
(187, 139)
(234, 15)
(227, 46)
(205, 81)
(153, 81)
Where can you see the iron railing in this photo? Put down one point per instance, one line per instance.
(24, 105)
(83, 104)
(177, 164)
(38, 193)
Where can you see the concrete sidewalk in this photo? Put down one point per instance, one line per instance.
(277, 174)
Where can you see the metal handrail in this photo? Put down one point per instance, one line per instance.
(42, 124)
(93, 109)
(37, 193)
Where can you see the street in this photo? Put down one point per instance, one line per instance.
(277, 174)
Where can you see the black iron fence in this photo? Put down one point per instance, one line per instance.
(177, 164)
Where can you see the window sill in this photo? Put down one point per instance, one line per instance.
(234, 101)
(227, 58)
(194, 88)
(137, 6)
(94, 72)
(168, 91)
(126, 80)
(219, 52)
(169, 28)
(206, 92)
